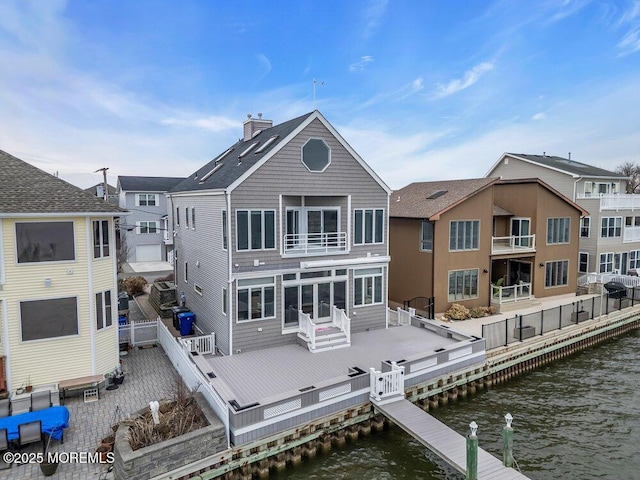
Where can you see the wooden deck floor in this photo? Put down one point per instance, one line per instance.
(445, 442)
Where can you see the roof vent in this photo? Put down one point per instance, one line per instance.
(437, 194)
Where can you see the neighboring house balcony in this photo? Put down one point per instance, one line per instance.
(511, 294)
(513, 244)
(631, 234)
(616, 202)
(322, 243)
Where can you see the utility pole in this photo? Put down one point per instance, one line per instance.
(104, 173)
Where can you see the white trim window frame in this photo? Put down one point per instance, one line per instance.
(426, 236)
(104, 309)
(368, 226)
(585, 227)
(556, 273)
(225, 236)
(186, 272)
(101, 240)
(606, 262)
(193, 218)
(256, 236)
(464, 235)
(186, 217)
(583, 262)
(225, 300)
(147, 200)
(462, 284)
(634, 259)
(23, 304)
(197, 288)
(328, 160)
(177, 219)
(558, 230)
(611, 227)
(367, 287)
(145, 227)
(255, 299)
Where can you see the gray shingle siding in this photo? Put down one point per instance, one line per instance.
(203, 245)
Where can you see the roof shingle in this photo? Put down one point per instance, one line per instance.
(567, 165)
(148, 184)
(27, 189)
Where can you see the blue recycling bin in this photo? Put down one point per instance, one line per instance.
(186, 320)
(122, 320)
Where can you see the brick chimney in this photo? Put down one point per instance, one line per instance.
(253, 125)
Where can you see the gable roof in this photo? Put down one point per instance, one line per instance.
(516, 181)
(560, 164)
(412, 202)
(27, 190)
(147, 184)
(229, 170)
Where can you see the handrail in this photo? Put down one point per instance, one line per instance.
(513, 243)
(340, 320)
(385, 385)
(512, 293)
(307, 326)
(296, 243)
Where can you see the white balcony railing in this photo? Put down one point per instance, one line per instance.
(307, 327)
(622, 201)
(340, 320)
(314, 243)
(388, 386)
(631, 234)
(513, 293)
(513, 244)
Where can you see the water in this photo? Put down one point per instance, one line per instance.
(576, 419)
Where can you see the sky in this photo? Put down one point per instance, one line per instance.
(423, 90)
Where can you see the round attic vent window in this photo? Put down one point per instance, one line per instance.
(316, 155)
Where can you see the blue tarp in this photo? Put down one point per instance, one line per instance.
(53, 420)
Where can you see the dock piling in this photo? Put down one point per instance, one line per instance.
(507, 442)
(472, 452)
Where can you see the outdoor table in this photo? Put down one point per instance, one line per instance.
(54, 420)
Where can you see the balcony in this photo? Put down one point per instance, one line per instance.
(631, 234)
(623, 201)
(308, 244)
(513, 293)
(513, 244)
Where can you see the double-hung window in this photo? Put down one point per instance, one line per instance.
(585, 227)
(556, 273)
(634, 259)
(558, 230)
(367, 286)
(464, 235)
(611, 227)
(103, 310)
(606, 262)
(100, 238)
(186, 217)
(463, 284)
(583, 262)
(147, 227)
(256, 298)
(368, 226)
(426, 236)
(255, 229)
(146, 199)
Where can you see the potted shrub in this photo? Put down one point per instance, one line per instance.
(48, 468)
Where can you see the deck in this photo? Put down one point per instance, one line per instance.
(445, 442)
(261, 374)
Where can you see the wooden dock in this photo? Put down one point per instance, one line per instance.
(445, 442)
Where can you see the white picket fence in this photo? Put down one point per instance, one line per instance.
(388, 386)
(138, 332)
(203, 344)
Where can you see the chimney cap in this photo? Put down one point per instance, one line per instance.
(248, 115)
(259, 115)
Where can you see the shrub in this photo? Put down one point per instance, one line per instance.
(135, 285)
(457, 312)
(478, 312)
(168, 278)
(491, 310)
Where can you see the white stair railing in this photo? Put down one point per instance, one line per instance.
(307, 327)
(340, 320)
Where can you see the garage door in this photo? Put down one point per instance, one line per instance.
(148, 253)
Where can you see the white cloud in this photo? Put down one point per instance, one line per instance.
(538, 116)
(361, 64)
(469, 78)
(211, 123)
(373, 16)
(265, 65)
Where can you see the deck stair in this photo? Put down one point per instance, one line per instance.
(328, 337)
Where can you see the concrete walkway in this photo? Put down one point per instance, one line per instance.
(149, 376)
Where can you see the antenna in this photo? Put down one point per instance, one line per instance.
(314, 91)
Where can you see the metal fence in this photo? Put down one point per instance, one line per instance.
(521, 327)
(424, 306)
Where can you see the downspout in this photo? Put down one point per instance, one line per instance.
(575, 189)
(92, 307)
(230, 272)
